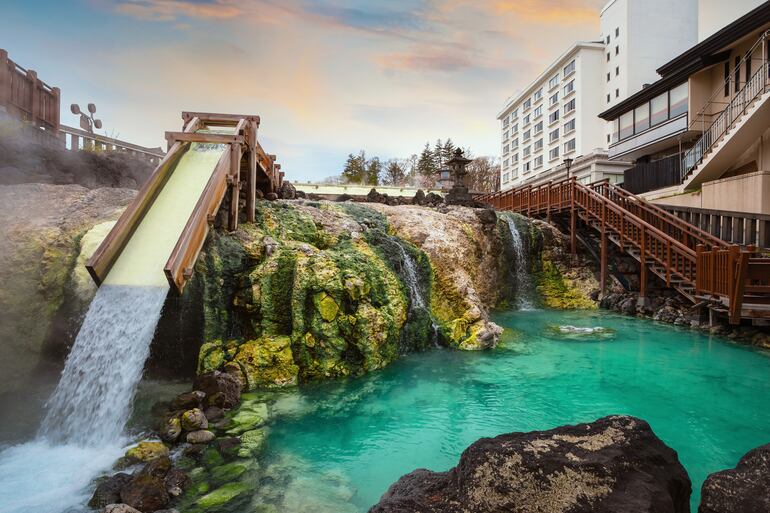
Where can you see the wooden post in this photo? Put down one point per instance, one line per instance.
(736, 300)
(699, 249)
(603, 276)
(572, 220)
(35, 94)
(251, 201)
(235, 174)
(643, 264)
(5, 79)
(548, 203)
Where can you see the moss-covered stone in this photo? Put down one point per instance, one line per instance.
(147, 451)
(253, 443)
(267, 362)
(229, 472)
(558, 291)
(249, 416)
(222, 496)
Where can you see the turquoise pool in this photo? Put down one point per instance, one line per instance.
(338, 446)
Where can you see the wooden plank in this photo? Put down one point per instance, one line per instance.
(201, 137)
(219, 118)
(736, 301)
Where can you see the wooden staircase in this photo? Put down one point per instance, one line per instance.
(701, 267)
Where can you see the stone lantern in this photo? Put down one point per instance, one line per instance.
(458, 194)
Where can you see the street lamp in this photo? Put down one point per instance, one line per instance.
(87, 121)
(567, 164)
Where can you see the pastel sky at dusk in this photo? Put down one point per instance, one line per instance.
(327, 77)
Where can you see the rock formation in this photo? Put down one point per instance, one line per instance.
(615, 464)
(744, 489)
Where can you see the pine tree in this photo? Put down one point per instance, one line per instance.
(447, 150)
(438, 154)
(373, 170)
(426, 164)
(395, 173)
(355, 168)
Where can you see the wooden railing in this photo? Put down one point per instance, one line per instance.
(679, 252)
(26, 97)
(76, 139)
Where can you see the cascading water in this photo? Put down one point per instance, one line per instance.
(417, 301)
(93, 399)
(522, 276)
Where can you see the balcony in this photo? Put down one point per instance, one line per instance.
(651, 140)
(650, 176)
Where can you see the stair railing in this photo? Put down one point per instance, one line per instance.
(754, 87)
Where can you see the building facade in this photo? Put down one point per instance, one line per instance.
(636, 35)
(554, 118)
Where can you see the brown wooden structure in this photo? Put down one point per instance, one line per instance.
(243, 165)
(703, 268)
(26, 97)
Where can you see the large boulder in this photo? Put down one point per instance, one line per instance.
(743, 489)
(108, 490)
(44, 238)
(222, 389)
(145, 492)
(615, 464)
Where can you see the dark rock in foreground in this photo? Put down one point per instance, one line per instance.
(615, 464)
(744, 489)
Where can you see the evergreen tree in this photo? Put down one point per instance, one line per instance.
(373, 170)
(395, 173)
(426, 164)
(438, 154)
(447, 150)
(355, 168)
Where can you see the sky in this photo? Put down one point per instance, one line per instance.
(327, 77)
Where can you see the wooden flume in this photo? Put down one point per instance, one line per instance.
(243, 164)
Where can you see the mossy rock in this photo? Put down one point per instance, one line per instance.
(211, 458)
(248, 416)
(559, 292)
(253, 443)
(147, 451)
(229, 472)
(267, 362)
(222, 496)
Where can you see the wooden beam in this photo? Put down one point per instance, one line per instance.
(736, 301)
(218, 118)
(235, 174)
(200, 137)
(251, 195)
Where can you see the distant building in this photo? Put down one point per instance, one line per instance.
(636, 35)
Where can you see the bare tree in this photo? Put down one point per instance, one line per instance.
(484, 174)
(395, 173)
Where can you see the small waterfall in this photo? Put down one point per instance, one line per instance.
(524, 286)
(416, 298)
(92, 401)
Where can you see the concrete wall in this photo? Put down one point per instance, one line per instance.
(745, 193)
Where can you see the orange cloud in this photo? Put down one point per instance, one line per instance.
(563, 12)
(170, 10)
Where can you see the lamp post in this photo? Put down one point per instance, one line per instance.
(567, 164)
(87, 121)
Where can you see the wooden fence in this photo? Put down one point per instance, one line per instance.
(25, 97)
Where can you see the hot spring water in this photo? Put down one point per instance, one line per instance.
(416, 297)
(521, 268)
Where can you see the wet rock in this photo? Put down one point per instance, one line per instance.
(228, 446)
(188, 400)
(249, 416)
(615, 464)
(271, 196)
(145, 493)
(193, 420)
(487, 216)
(252, 443)
(120, 508)
(147, 451)
(229, 472)
(224, 495)
(171, 430)
(108, 490)
(743, 489)
(176, 482)
(222, 389)
(214, 413)
(287, 191)
(201, 436)
(158, 467)
(268, 361)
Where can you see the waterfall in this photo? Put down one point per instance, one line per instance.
(523, 280)
(92, 401)
(416, 299)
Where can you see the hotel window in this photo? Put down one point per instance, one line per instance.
(506, 177)
(626, 125)
(608, 77)
(505, 121)
(553, 135)
(515, 158)
(553, 82)
(538, 95)
(553, 117)
(659, 109)
(553, 100)
(526, 136)
(678, 98)
(537, 112)
(553, 154)
(538, 127)
(608, 39)
(538, 145)
(615, 134)
(527, 152)
(608, 56)
(569, 146)
(569, 68)
(617, 70)
(527, 104)
(608, 97)
(505, 163)
(570, 106)
(617, 31)
(569, 126)
(505, 135)
(506, 149)
(617, 93)
(617, 50)
(526, 120)
(514, 144)
(515, 114)
(515, 128)
(526, 167)
(515, 172)
(539, 162)
(642, 118)
(569, 87)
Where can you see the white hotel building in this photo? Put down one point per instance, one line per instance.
(556, 116)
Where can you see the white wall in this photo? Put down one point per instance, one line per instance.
(715, 14)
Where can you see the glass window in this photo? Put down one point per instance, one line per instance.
(626, 125)
(615, 125)
(538, 94)
(526, 167)
(515, 114)
(515, 128)
(553, 135)
(553, 116)
(569, 146)
(538, 111)
(569, 126)
(642, 118)
(506, 149)
(678, 98)
(527, 152)
(569, 68)
(539, 162)
(506, 177)
(526, 119)
(538, 145)
(515, 158)
(553, 82)
(659, 109)
(538, 127)
(553, 100)
(515, 143)
(553, 154)
(569, 87)
(527, 135)
(570, 106)
(527, 104)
